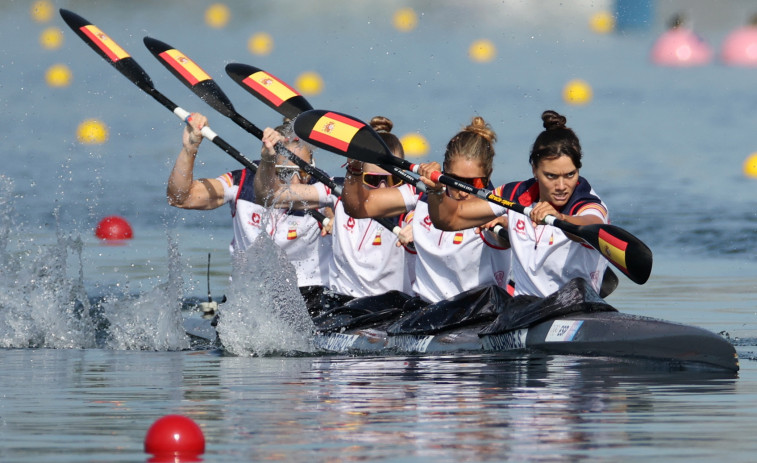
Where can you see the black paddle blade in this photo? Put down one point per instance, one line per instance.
(107, 48)
(626, 252)
(269, 89)
(343, 135)
(191, 75)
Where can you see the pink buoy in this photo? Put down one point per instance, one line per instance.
(740, 47)
(680, 47)
(175, 438)
(113, 228)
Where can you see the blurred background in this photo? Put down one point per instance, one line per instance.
(667, 129)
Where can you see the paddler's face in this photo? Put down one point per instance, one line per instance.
(467, 171)
(376, 177)
(302, 152)
(557, 179)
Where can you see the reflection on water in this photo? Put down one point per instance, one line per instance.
(99, 404)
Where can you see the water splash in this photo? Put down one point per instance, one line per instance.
(40, 306)
(265, 313)
(151, 320)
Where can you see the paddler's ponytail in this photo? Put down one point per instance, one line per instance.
(383, 126)
(556, 140)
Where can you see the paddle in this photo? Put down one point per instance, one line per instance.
(104, 46)
(197, 80)
(278, 95)
(347, 136)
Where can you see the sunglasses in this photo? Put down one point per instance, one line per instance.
(375, 180)
(477, 182)
(287, 173)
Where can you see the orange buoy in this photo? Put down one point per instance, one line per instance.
(113, 228)
(175, 437)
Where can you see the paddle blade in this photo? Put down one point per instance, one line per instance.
(269, 89)
(106, 47)
(623, 250)
(343, 135)
(191, 75)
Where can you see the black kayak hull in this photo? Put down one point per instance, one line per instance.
(607, 334)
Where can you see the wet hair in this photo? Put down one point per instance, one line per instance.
(556, 140)
(474, 142)
(383, 126)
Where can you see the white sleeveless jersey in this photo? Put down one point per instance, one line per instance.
(449, 263)
(365, 259)
(297, 233)
(544, 258)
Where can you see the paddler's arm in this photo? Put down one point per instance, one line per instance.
(361, 202)
(183, 191)
(544, 208)
(447, 213)
(270, 190)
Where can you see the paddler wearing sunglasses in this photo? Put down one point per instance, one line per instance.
(447, 263)
(298, 234)
(366, 259)
(544, 257)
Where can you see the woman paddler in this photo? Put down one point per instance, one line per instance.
(448, 263)
(298, 234)
(367, 259)
(544, 257)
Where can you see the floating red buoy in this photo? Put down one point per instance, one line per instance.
(113, 228)
(175, 438)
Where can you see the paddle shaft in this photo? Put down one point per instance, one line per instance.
(137, 75)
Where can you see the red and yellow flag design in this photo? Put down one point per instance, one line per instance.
(458, 238)
(613, 249)
(188, 69)
(335, 130)
(292, 233)
(104, 43)
(270, 87)
(377, 239)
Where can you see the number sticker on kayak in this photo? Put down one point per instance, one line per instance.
(335, 342)
(511, 340)
(410, 343)
(563, 330)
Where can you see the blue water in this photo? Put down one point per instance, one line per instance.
(664, 147)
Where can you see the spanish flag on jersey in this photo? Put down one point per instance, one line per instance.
(106, 44)
(292, 233)
(335, 130)
(458, 238)
(377, 239)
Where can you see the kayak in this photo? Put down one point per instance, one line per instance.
(572, 321)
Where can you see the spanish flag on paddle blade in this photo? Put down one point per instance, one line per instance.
(614, 249)
(269, 87)
(111, 49)
(335, 130)
(187, 68)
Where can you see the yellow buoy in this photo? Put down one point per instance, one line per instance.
(92, 132)
(577, 92)
(260, 43)
(51, 38)
(405, 19)
(750, 166)
(42, 11)
(602, 22)
(482, 51)
(414, 144)
(58, 75)
(217, 15)
(309, 83)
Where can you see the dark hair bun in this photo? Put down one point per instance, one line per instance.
(553, 120)
(381, 124)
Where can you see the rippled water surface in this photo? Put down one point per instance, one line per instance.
(91, 341)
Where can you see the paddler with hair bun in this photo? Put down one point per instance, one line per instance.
(367, 258)
(544, 257)
(298, 234)
(447, 263)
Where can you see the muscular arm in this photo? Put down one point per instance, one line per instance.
(360, 202)
(183, 191)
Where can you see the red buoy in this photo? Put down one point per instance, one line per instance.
(175, 437)
(113, 228)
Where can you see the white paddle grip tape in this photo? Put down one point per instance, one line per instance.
(396, 230)
(550, 219)
(182, 113)
(414, 168)
(208, 133)
(326, 221)
(496, 229)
